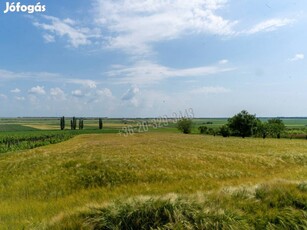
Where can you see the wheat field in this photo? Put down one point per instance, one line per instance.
(43, 186)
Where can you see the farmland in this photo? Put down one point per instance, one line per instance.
(243, 183)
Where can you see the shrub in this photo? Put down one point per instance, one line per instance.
(203, 129)
(185, 125)
(225, 131)
(243, 124)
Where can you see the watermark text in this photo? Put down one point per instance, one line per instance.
(12, 7)
(155, 123)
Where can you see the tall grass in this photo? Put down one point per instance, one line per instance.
(270, 206)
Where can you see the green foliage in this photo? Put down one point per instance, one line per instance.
(73, 123)
(62, 123)
(15, 127)
(212, 131)
(243, 124)
(26, 140)
(275, 127)
(272, 128)
(225, 131)
(81, 124)
(185, 125)
(203, 129)
(100, 123)
(262, 129)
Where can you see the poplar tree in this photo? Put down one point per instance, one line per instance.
(81, 124)
(100, 123)
(73, 123)
(62, 123)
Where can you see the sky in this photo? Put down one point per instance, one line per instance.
(150, 58)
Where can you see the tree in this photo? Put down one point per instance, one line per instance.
(185, 125)
(211, 131)
(275, 127)
(100, 123)
(62, 123)
(262, 129)
(225, 131)
(243, 124)
(73, 123)
(203, 129)
(81, 124)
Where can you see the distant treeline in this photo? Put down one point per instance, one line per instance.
(80, 121)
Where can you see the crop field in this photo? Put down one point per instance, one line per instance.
(79, 182)
(27, 124)
(15, 127)
(126, 173)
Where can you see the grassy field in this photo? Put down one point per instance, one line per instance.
(57, 186)
(15, 127)
(143, 166)
(155, 124)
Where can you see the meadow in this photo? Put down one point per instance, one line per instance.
(160, 178)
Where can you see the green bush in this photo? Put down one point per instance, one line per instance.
(185, 125)
(203, 129)
(243, 124)
(225, 131)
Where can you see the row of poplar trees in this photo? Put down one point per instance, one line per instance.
(73, 123)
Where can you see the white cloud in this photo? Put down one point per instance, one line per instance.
(7, 75)
(131, 96)
(49, 38)
(57, 93)
(131, 93)
(77, 93)
(269, 25)
(224, 61)
(210, 90)
(85, 82)
(104, 92)
(145, 72)
(77, 36)
(20, 98)
(10, 75)
(297, 57)
(38, 90)
(3, 96)
(16, 90)
(134, 25)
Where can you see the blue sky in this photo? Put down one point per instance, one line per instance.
(133, 58)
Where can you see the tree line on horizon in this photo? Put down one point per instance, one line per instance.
(73, 123)
(242, 125)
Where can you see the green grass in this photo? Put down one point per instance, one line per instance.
(295, 122)
(48, 184)
(14, 128)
